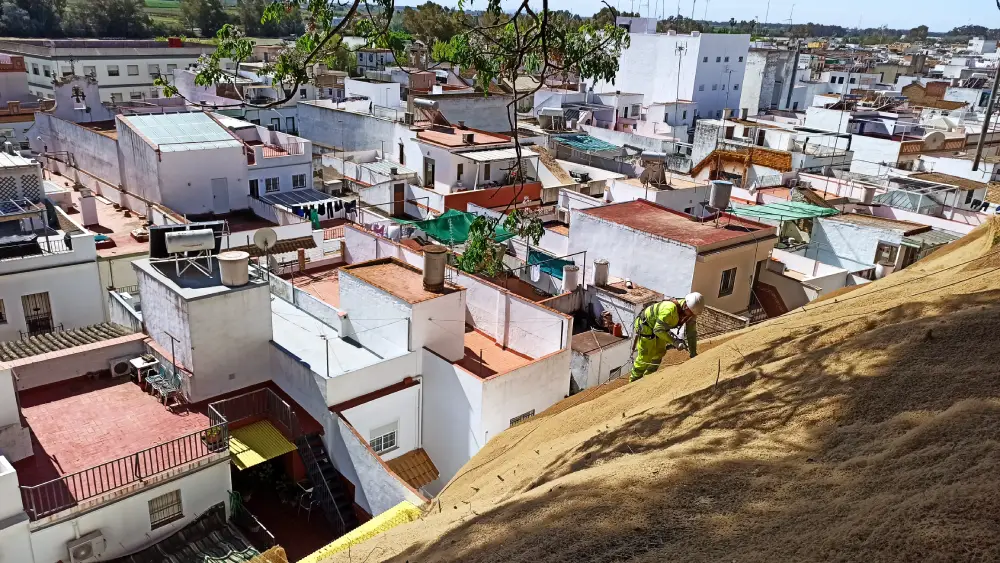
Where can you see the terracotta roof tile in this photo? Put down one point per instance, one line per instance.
(415, 467)
(280, 247)
(60, 340)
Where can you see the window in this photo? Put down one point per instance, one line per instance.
(833, 80)
(66, 70)
(460, 169)
(684, 115)
(522, 417)
(46, 70)
(255, 121)
(3, 313)
(795, 105)
(715, 87)
(34, 68)
(271, 185)
(718, 114)
(112, 70)
(154, 70)
(135, 95)
(840, 80)
(728, 282)
(298, 181)
(615, 373)
(289, 124)
(384, 438)
(726, 59)
(165, 509)
(740, 60)
(736, 86)
(625, 111)
(689, 210)
(255, 188)
(171, 69)
(402, 155)
(704, 60)
(154, 93)
(302, 93)
(718, 59)
(635, 110)
(701, 87)
(117, 97)
(853, 80)
(486, 171)
(133, 70)
(90, 71)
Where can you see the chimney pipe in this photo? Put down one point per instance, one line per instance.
(435, 259)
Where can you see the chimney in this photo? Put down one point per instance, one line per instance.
(571, 278)
(461, 124)
(88, 208)
(601, 267)
(435, 259)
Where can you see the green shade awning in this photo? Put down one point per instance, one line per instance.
(782, 211)
(549, 265)
(452, 227)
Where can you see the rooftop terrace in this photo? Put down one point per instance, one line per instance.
(116, 224)
(485, 358)
(398, 279)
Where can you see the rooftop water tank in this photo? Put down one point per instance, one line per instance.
(435, 259)
(234, 268)
(190, 241)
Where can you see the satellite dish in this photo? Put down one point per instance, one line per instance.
(265, 238)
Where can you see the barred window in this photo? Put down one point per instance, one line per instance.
(165, 509)
(522, 417)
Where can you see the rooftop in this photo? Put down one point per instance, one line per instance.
(171, 132)
(637, 295)
(310, 339)
(648, 217)
(452, 137)
(106, 128)
(115, 224)
(396, 278)
(485, 358)
(324, 285)
(15, 160)
(415, 467)
(957, 181)
(192, 284)
(83, 422)
(906, 227)
(587, 342)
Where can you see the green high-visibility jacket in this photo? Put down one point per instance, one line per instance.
(659, 319)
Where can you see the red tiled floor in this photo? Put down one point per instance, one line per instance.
(494, 358)
(81, 423)
(324, 285)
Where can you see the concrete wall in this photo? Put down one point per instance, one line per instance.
(590, 370)
(15, 538)
(229, 332)
(378, 320)
(385, 94)
(186, 179)
(47, 370)
(452, 417)
(140, 165)
(873, 156)
(793, 293)
(708, 275)
(165, 313)
(401, 408)
(439, 325)
(371, 378)
(854, 242)
(95, 153)
(75, 293)
(487, 113)
(125, 524)
(536, 386)
(535, 331)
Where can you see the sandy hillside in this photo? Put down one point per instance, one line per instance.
(862, 428)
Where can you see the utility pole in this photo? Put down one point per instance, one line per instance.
(986, 122)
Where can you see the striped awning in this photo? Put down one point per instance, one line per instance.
(257, 443)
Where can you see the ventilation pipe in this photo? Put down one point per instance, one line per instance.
(435, 259)
(601, 268)
(571, 278)
(234, 268)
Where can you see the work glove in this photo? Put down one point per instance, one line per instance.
(680, 344)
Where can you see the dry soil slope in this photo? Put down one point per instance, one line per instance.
(863, 428)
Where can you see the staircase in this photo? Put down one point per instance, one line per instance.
(333, 496)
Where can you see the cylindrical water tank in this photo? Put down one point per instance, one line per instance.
(234, 268)
(435, 259)
(190, 241)
(571, 278)
(718, 198)
(601, 272)
(424, 103)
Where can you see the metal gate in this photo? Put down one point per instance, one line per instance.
(37, 313)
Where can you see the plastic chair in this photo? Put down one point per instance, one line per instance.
(306, 502)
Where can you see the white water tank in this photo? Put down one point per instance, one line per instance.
(718, 198)
(435, 260)
(234, 268)
(571, 278)
(601, 268)
(190, 241)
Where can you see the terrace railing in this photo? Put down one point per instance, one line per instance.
(70, 490)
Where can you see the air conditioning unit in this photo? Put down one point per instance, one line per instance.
(120, 367)
(87, 548)
(562, 215)
(408, 118)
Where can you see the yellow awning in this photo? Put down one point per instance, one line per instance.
(257, 443)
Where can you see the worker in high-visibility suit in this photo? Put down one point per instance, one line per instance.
(652, 336)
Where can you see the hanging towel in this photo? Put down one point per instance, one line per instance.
(321, 209)
(337, 206)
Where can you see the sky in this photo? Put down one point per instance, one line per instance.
(896, 14)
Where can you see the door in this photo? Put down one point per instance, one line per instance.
(428, 172)
(37, 313)
(275, 124)
(398, 200)
(220, 195)
(255, 189)
(290, 125)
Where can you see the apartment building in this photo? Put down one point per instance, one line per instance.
(124, 69)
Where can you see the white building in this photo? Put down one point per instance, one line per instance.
(982, 46)
(717, 258)
(707, 69)
(48, 276)
(766, 81)
(843, 81)
(125, 69)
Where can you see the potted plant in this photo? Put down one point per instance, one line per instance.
(215, 439)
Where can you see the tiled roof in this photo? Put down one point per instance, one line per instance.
(416, 468)
(648, 217)
(54, 341)
(957, 181)
(280, 247)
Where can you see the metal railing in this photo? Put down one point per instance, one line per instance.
(70, 490)
(39, 324)
(333, 233)
(260, 403)
(289, 149)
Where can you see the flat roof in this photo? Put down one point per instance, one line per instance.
(587, 342)
(15, 160)
(115, 224)
(906, 227)
(496, 154)
(637, 294)
(495, 359)
(648, 217)
(191, 284)
(84, 422)
(454, 139)
(398, 279)
(172, 132)
(310, 339)
(324, 285)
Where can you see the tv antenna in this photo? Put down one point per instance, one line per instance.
(265, 239)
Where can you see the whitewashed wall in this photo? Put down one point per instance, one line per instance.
(402, 408)
(452, 417)
(538, 386)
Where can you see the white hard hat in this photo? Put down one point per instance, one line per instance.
(695, 303)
